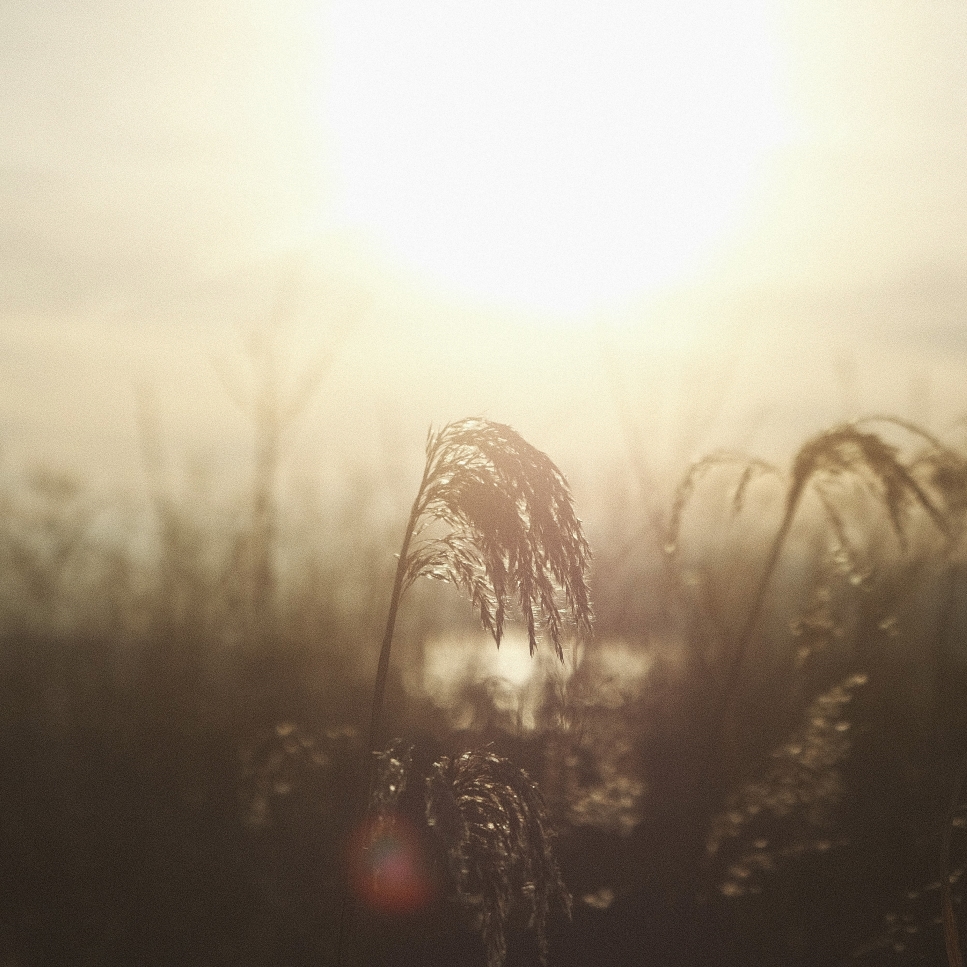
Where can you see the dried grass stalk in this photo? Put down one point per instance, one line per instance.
(848, 450)
(513, 537)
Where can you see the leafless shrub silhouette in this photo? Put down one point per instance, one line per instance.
(273, 407)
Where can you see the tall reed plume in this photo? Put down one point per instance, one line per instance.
(512, 538)
(849, 450)
(510, 541)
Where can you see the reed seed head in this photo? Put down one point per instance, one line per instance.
(493, 825)
(513, 535)
(847, 449)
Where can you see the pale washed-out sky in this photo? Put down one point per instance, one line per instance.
(516, 210)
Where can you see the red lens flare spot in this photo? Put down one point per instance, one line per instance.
(387, 867)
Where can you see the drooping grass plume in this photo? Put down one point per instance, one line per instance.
(927, 487)
(514, 532)
(492, 823)
(751, 468)
(934, 482)
(840, 451)
(849, 450)
(512, 537)
(479, 828)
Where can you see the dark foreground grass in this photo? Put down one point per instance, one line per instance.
(175, 786)
(131, 835)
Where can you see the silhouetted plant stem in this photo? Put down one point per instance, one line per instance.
(755, 609)
(950, 929)
(382, 668)
(717, 756)
(364, 805)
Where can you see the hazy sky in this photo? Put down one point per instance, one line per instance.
(772, 187)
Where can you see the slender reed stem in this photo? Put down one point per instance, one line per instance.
(950, 929)
(755, 610)
(364, 806)
(382, 669)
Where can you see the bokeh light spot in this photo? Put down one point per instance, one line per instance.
(388, 868)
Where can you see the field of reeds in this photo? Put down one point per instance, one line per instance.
(753, 752)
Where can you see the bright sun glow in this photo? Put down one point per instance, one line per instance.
(555, 156)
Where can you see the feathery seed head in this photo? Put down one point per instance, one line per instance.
(514, 536)
(493, 824)
(847, 449)
(485, 822)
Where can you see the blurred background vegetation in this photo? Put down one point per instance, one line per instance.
(186, 671)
